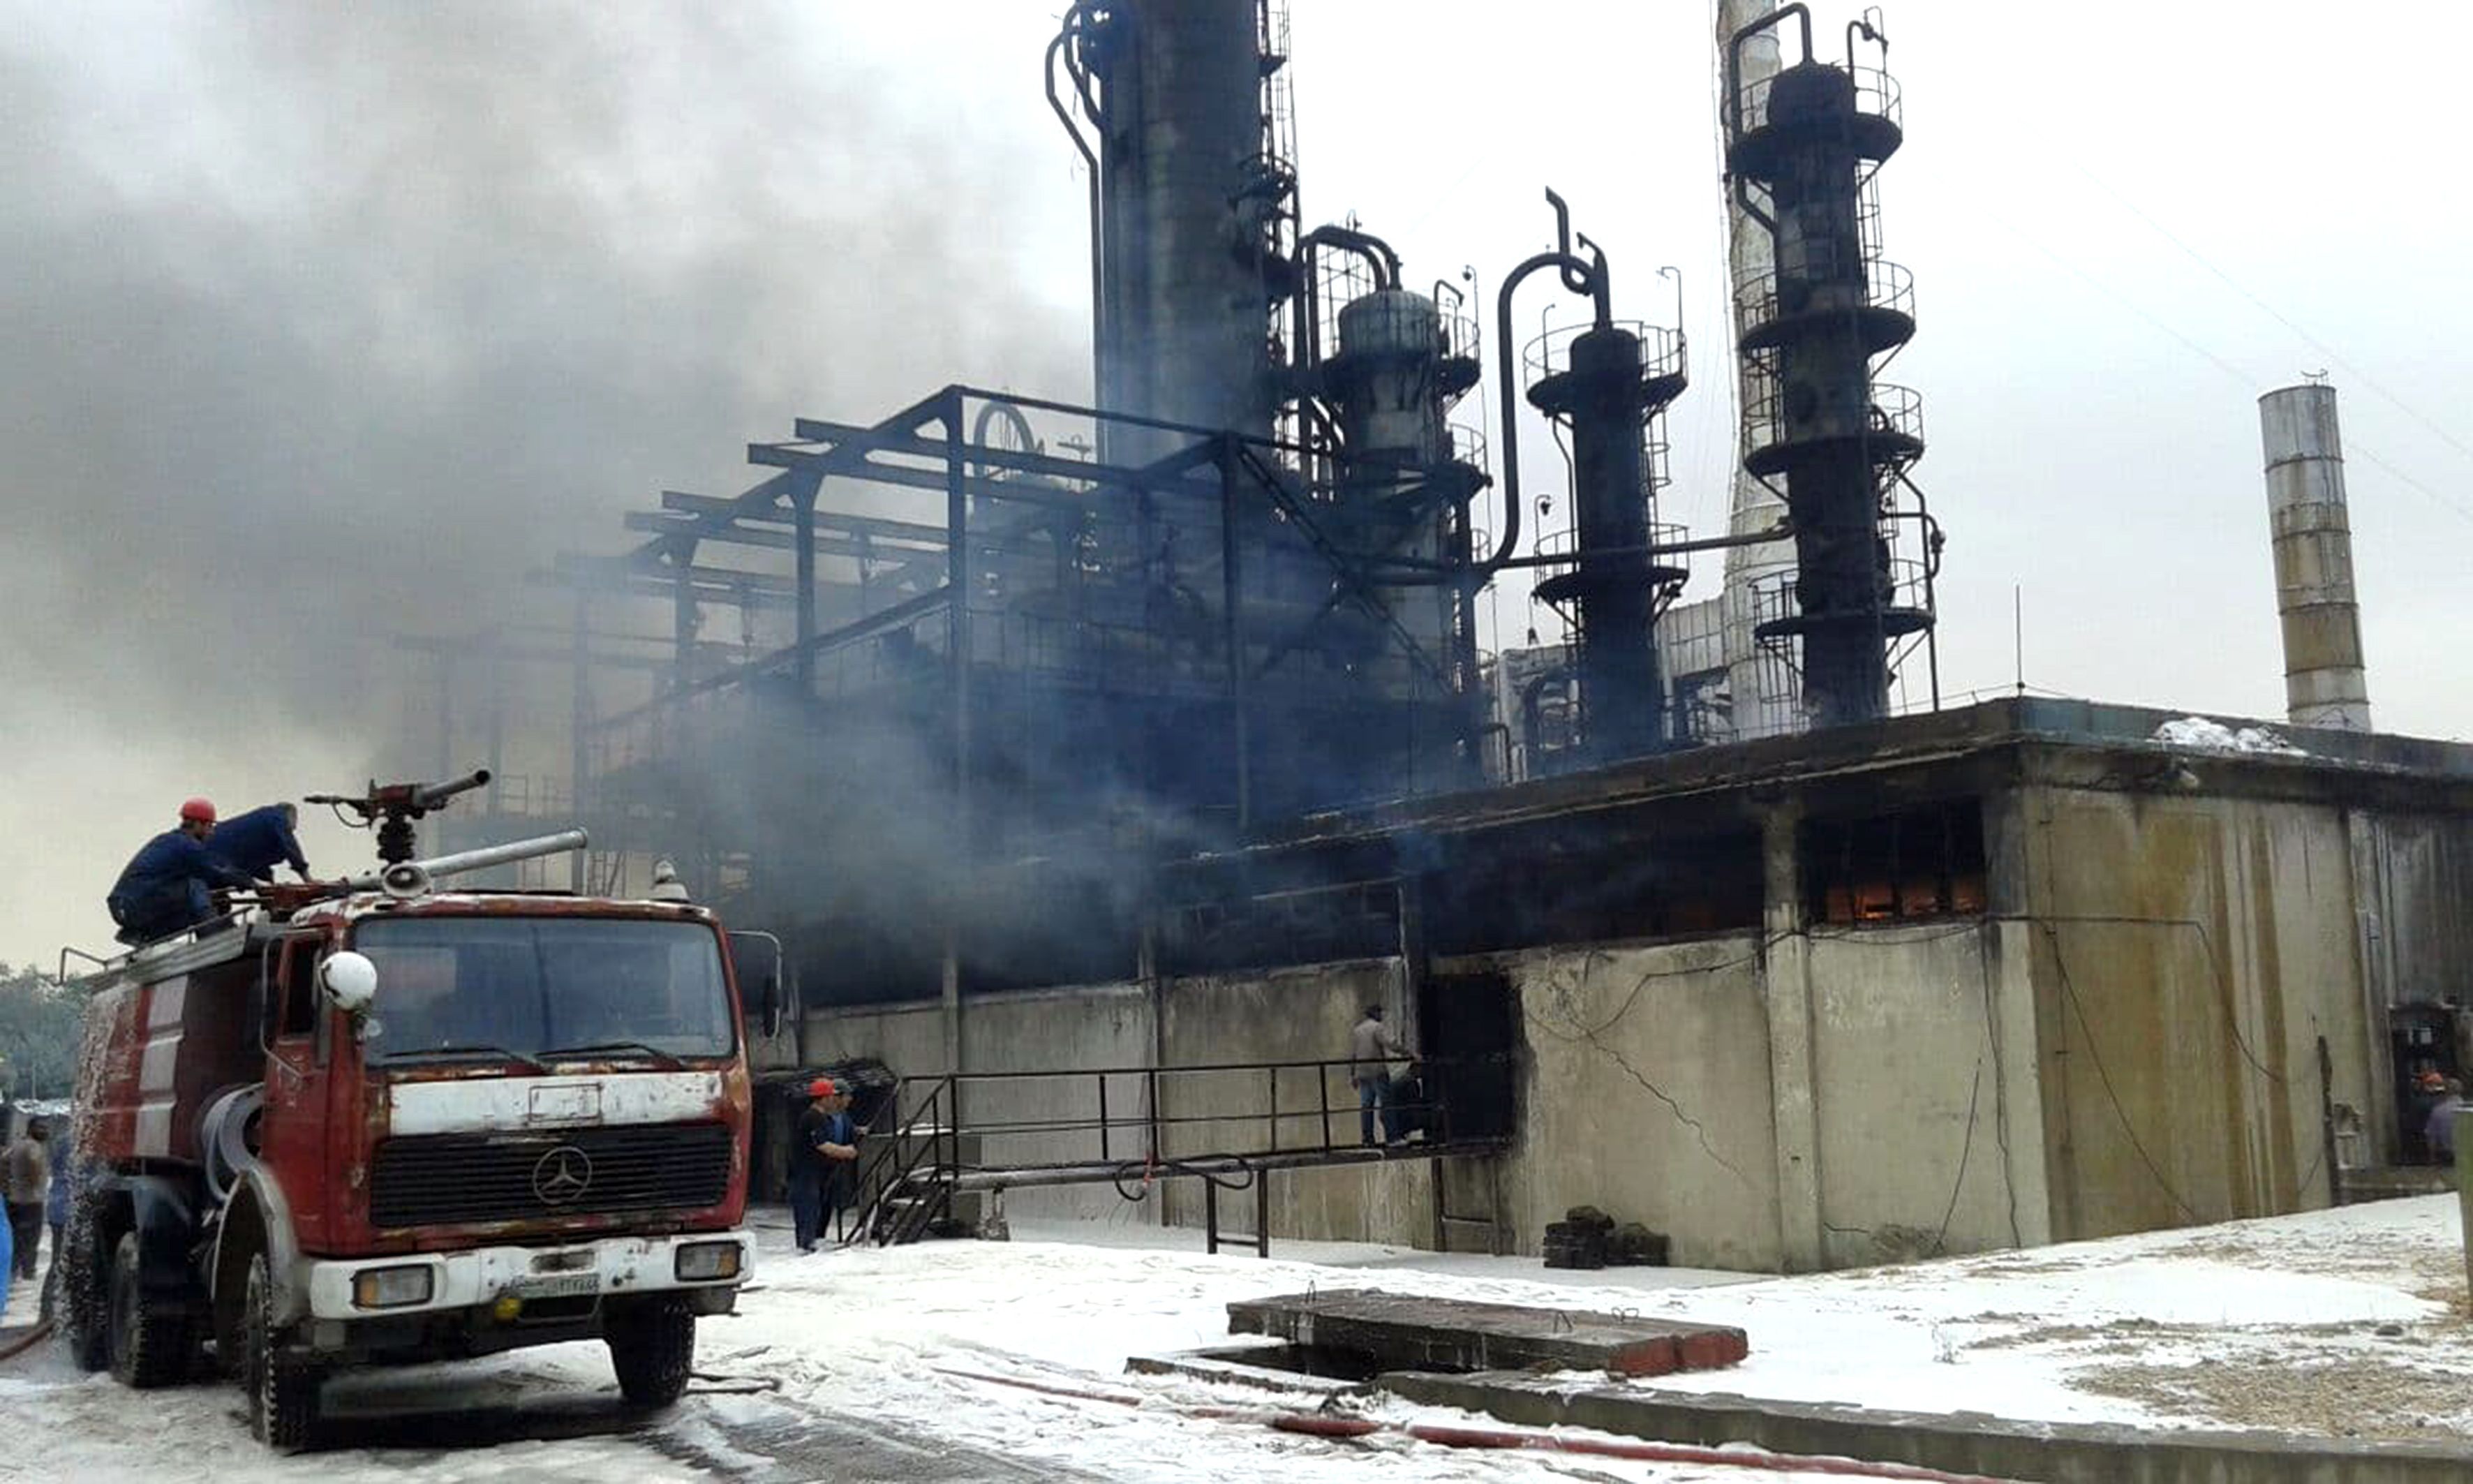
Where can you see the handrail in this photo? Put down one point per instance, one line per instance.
(867, 1220)
(913, 1148)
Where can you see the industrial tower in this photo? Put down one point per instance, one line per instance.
(1802, 147)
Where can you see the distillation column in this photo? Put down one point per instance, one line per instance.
(1614, 383)
(1801, 146)
(2324, 685)
(1173, 89)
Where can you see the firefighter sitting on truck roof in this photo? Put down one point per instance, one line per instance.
(164, 888)
(259, 840)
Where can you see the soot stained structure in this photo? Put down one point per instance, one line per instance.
(1607, 384)
(1802, 147)
(1020, 656)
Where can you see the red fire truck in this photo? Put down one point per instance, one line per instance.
(384, 1122)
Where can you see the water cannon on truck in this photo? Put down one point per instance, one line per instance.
(382, 1121)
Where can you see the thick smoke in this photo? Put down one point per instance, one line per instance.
(328, 323)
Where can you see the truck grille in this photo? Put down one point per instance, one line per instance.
(457, 1179)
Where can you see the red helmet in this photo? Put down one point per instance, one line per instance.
(821, 1086)
(198, 810)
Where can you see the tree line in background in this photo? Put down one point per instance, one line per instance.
(40, 1021)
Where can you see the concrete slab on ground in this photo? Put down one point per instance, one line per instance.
(1966, 1442)
(1411, 1332)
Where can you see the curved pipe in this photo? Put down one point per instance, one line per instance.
(1731, 108)
(1075, 20)
(989, 412)
(1365, 245)
(1593, 280)
(1376, 253)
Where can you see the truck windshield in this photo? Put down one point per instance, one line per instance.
(531, 989)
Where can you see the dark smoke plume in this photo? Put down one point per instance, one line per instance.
(326, 323)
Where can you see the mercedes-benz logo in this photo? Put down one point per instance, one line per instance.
(561, 1175)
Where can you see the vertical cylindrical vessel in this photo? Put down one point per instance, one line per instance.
(2324, 685)
(1607, 392)
(1806, 142)
(1619, 684)
(1181, 85)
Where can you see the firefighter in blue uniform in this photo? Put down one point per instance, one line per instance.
(164, 887)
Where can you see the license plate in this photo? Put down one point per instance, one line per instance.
(555, 1286)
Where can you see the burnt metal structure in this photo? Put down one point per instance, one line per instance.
(1026, 636)
(1004, 660)
(1607, 384)
(1802, 147)
(1187, 195)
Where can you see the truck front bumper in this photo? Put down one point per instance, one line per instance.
(476, 1278)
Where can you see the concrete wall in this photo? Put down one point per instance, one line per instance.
(1912, 1091)
(2413, 879)
(1646, 1092)
(1293, 1015)
(2129, 1041)
(1645, 1087)
(2189, 953)
(1047, 1031)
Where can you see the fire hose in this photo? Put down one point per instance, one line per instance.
(1326, 1424)
(32, 1338)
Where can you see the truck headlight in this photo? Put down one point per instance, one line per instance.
(391, 1287)
(700, 1262)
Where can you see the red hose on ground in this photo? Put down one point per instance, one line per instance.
(19, 1347)
(1330, 1425)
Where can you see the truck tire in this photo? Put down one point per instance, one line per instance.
(87, 1319)
(150, 1343)
(282, 1391)
(652, 1347)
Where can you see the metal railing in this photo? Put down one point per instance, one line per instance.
(1118, 1124)
(1875, 93)
(1468, 447)
(1893, 410)
(1550, 355)
(1886, 286)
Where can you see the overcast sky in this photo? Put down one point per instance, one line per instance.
(327, 323)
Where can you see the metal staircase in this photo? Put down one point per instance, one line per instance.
(923, 1165)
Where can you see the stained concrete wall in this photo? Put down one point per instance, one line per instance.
(1646, 1092)
(1643, 1081)
(2413, 877)
(2127, 1041)
(2190, 953)
(1296, 1015)
(1044, 1031)
(1913, 1077)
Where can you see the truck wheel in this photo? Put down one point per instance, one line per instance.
(282, 1391)
(149, 1343)
(87, 1318)
(652, 1347)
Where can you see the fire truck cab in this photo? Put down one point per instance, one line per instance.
(401, 1124)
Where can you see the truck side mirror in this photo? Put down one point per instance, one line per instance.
(350, 979)
(772, 1002)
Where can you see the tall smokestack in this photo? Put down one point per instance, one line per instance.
(2323, 681)
(1761, 703)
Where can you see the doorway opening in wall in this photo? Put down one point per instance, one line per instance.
(2422, 1045)
(1466, 1030)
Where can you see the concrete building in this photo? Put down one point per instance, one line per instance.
(2007, 975)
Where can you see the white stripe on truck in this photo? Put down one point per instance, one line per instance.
(485, 1105)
